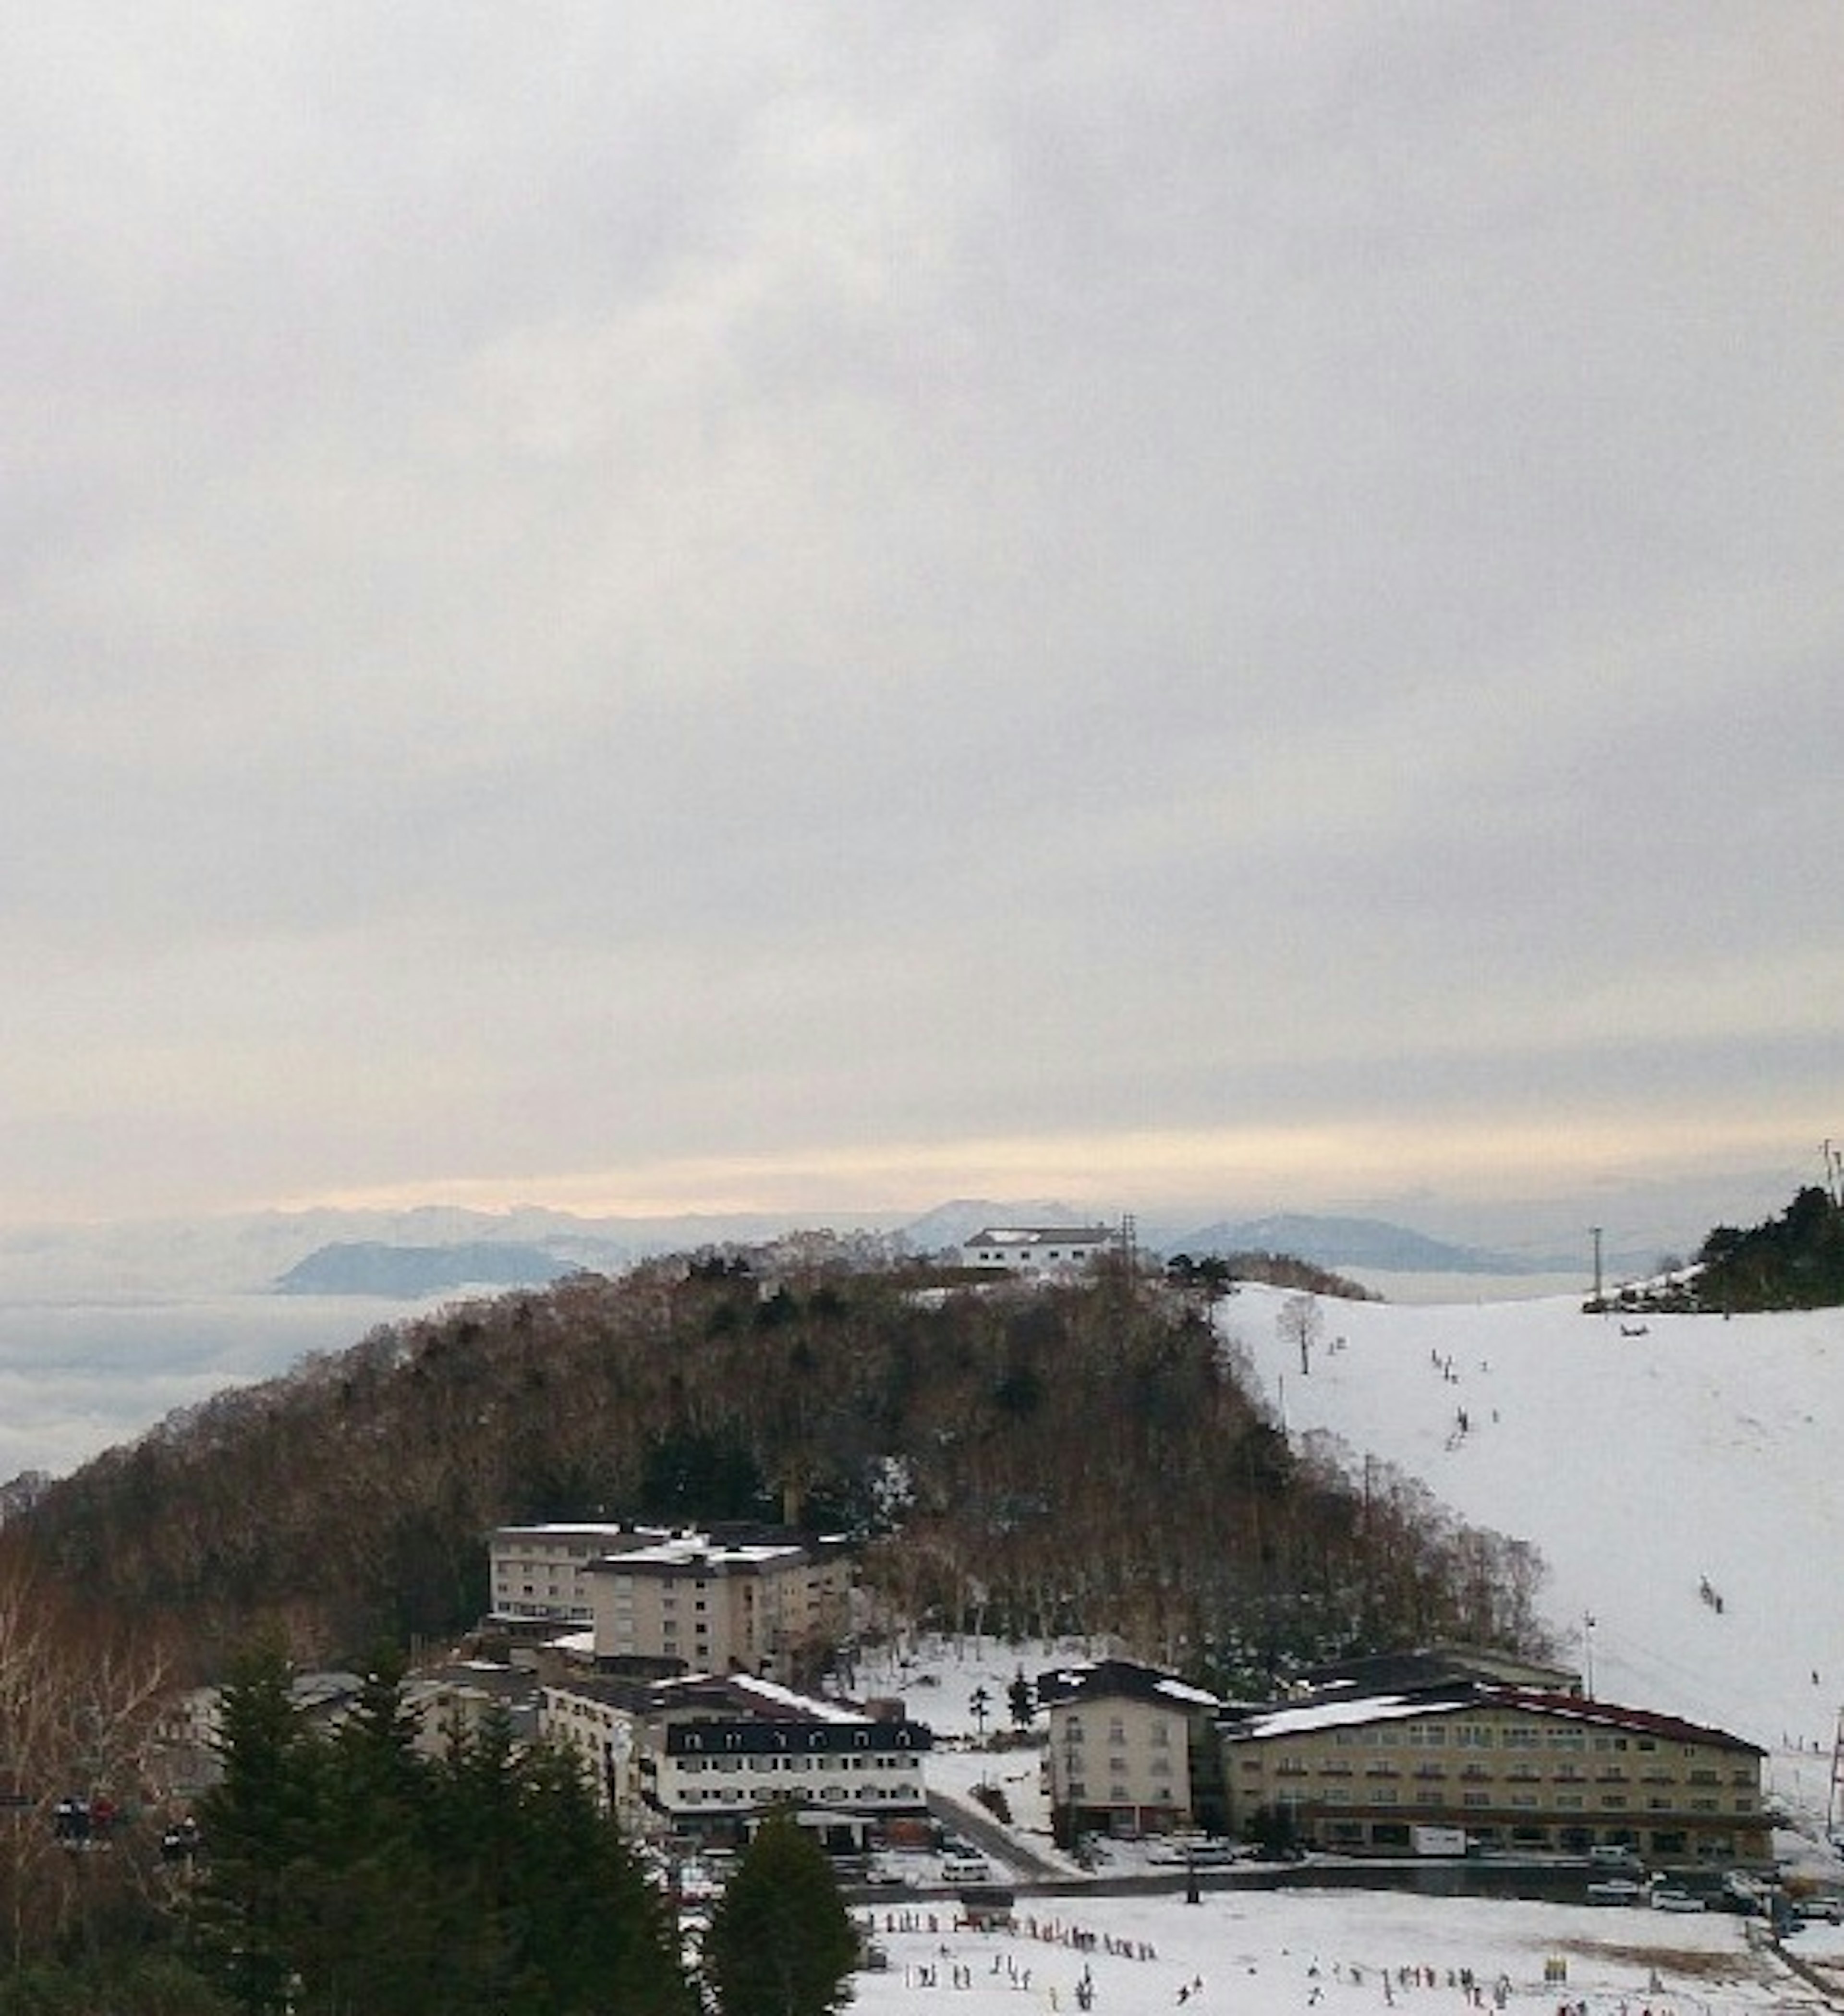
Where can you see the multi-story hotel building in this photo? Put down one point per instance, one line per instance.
(734, 1599)
(541, 1572)
(704, 1758)
(1515, 1767)
(1132, 1750)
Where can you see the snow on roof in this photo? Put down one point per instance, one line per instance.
(577, 1529)
(1181, 1690)
(683, 1549)
(1041, 1235)
(1098, 1679)
(1346, 1713)
(808, 1704)
(747, 1692)
(1352, 1712)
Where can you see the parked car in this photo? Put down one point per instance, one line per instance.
(970, 1869)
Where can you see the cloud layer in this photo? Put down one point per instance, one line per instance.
(1204, 603)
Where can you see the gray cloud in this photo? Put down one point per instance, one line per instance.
(585, 598)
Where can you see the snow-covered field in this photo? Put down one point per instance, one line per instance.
(1645, 1467)
(1342, 1953)
(1702, 1456)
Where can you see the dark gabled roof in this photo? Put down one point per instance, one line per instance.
(731, 1699)
(1638, 1721)
(1345, 1707)
(753, 1736)
(1041, 1234)
(1118, 1679)
(1434, 1665)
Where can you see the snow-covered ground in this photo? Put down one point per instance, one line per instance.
(1656, 1473)
(1702, 1455)
(1340, 1953)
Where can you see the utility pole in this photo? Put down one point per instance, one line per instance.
(1837, 1783)
(1596, 1230)
(1588, 1651)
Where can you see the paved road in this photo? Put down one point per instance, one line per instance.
(968, 1818)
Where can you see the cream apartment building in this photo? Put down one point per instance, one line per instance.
(1516, 1768)
(1132, 1750)
(758, 1600)
(541, 1572)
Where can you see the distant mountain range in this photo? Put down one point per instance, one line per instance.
(1352, 1242)
(407, 1273)
(560, 1244)
(434, 1249)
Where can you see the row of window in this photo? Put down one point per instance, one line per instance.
(1490, 1736)
(1570, 1802)
(805, 1765)
(1157, 1767)
(1513, 1774)
(1158, 1733)
(1118, 1794)
(730, 1795)
(1254, 1759)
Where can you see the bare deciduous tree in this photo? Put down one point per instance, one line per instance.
(1300, 1324)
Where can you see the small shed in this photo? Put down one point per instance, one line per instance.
(988, 1909)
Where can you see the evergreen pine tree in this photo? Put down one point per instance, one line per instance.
(781, 1942)
(373, 1880)
(245, 1915)
(584, 1909)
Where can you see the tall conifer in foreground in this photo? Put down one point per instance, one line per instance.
(258, 1823)
(781, 1942)
(353, 1876)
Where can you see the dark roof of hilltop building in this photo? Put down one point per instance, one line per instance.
(1042, 1235)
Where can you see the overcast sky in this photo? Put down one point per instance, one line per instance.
(843, 604)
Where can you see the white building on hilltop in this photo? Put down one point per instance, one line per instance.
(1038, 1249)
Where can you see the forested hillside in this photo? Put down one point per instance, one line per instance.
(1793, 1262)
(1074, 1458)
